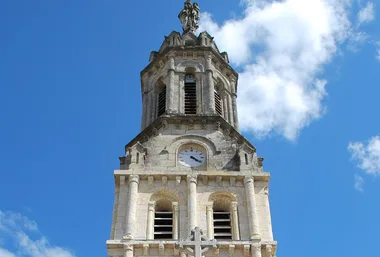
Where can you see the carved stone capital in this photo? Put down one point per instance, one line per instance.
(208, 56)
(256, 247)
(234, 206)
(192, 179)
(248, 180)
(268, 250)
(175, 207)
(151, 206)
(209, 207)
(134, 178)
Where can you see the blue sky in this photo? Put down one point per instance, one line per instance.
(70, 100)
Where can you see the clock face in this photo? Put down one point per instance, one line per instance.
(191, 158)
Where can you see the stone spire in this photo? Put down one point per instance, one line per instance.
(189, 17)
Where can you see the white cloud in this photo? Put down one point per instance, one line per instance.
(5, 253)
(367, 13)
(21, 231)
(359, 181)
(378, 51)
(281, 48)
(12, 221)
(367, 155)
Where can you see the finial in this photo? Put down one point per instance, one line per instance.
(189, 17)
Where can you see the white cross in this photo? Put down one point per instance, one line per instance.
(197, 244)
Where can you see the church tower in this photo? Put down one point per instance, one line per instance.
(190, 184)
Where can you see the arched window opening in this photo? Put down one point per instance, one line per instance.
(218, 103)
(190, 94)
(163, 220)
(161, 101)
(222, 220)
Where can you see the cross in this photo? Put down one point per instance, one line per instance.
(197, 244)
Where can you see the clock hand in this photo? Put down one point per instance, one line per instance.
(195, 159)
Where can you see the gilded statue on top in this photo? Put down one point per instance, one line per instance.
(189, 17)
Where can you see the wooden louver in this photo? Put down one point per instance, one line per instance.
(222, 225)
(161, 102)
(163, 225)
(190, 98)
(218, 103)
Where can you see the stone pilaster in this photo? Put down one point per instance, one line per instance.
(234, 105)
(171, 92)
(256, 250)
(251, 208)
(152, 106)
(132, 206)
(225, 105)
(150, 225)
(175, 221)
(145, 110)
(210, 101)
(210, 221)
(235, 221)
(230, 110)
(192, 201)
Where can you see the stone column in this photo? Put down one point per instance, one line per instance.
(152, 105)
(171, 89)
(235, 221)
(128, 250)
(148, 113)
(210, 221)
(225, 105)
(209, 100)
(175, 221)
(251, 208)
(266, 193)
(192, 201)
(230, 110)
(256, 250)
(150, 225)
(132, 206)
(144, 110)
(234, 105)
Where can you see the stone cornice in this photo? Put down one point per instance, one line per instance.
(203, 176)
(218, 122)
(161, 57)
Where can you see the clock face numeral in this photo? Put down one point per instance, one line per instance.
(191, 158)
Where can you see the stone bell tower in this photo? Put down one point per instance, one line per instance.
(190, 184)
